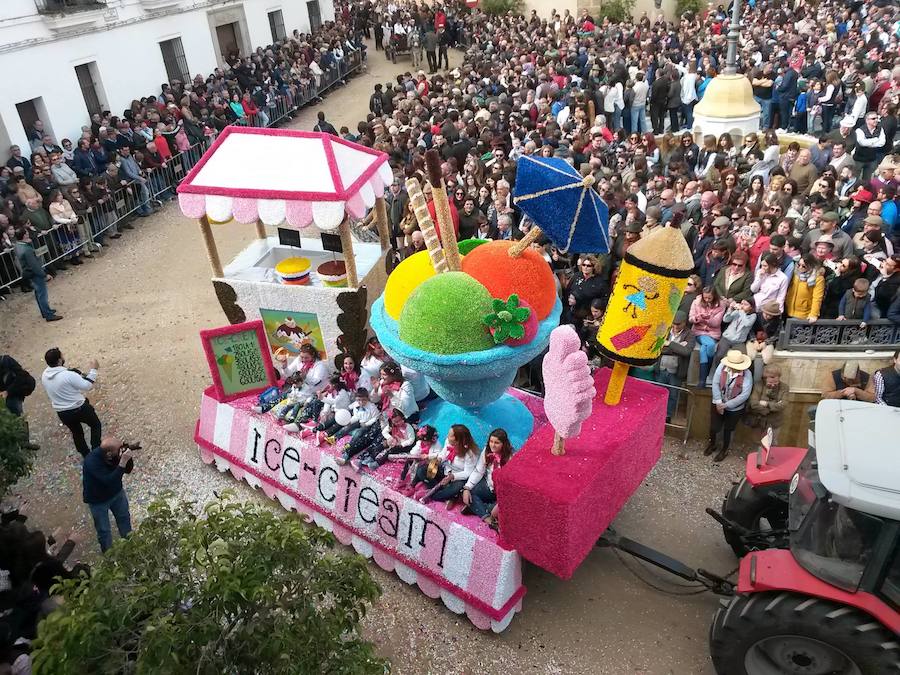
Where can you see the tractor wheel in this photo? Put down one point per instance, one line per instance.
(788, 634)
(756, 511)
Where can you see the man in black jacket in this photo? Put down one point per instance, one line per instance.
(659, 98)
(16, 382)
(102, 489)
(787, 96)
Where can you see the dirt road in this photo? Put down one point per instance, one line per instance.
(138, 309)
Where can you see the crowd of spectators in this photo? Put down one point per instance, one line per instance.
(73, 196)
(777, 230)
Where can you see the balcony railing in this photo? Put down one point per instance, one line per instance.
(68, 6)
(830, 335)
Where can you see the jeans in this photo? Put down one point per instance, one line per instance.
(448, 491)
(785, 108)
(39, 284)
(765, 115)
(483, 499)
(687, 114)
(15, 405)
(616, 118)
(638, 119)
(432, 62)
(665, 377)
(73, 419)
(143, 207)
(828, 110)
(100, 513)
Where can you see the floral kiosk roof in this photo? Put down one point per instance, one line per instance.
(281, 175)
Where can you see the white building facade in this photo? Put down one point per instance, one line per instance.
(65, 59)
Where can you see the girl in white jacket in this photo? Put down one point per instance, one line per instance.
(426, 441)
(458, 458)
(478, 495)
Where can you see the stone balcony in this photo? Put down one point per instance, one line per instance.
(63, 16)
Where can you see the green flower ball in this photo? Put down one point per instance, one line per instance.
(445, 315)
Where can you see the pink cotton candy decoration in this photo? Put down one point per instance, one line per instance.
(568, 386)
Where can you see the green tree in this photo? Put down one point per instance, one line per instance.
(692, 7)
(234, 589)
(15, 455)
(501, 6)
(617, 11)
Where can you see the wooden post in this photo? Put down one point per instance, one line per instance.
(559, 445)
(349, 256)
(261, 229)
(519, 247)
(211, 251)
(381, 221)
(616, 383)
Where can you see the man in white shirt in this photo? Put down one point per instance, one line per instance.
(65, 388)
(689, 96)
(639, 104)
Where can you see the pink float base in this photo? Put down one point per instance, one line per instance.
(553, 509)
(474, 572)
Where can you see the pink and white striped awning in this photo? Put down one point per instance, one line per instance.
(279, 175)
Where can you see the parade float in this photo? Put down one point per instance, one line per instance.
(466, 316)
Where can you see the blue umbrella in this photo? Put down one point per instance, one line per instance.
(563, 203)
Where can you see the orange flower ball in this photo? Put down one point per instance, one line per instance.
(529, 275)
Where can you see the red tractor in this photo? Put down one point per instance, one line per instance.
(818, 588)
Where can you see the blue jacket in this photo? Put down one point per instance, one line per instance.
(100, 480)
(84, 164)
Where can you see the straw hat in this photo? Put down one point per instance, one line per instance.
(736, 360)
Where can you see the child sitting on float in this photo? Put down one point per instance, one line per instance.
(397, 436)
(313, 371)
(426, 440)
(457, 460)
(362, 413)
(321, 408)
(373, 358)
(392, 392)
(478, 495)
(353, 376)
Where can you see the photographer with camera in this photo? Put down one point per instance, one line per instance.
(102, 488)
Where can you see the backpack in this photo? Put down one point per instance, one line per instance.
(377, 103)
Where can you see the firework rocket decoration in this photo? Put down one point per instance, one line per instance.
(644, 300)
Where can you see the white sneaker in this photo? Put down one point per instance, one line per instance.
(291, 427)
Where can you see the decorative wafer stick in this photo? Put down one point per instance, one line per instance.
(442, 210)
(426, 224)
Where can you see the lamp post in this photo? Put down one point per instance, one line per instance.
(734, 32)
(727, 105)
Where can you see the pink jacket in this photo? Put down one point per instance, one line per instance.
(768, 288)
(707, 320)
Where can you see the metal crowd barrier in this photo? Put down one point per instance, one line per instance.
(126, 201)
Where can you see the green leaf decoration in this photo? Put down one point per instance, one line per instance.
(508, 319)
(521, 314)
(517, 331)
